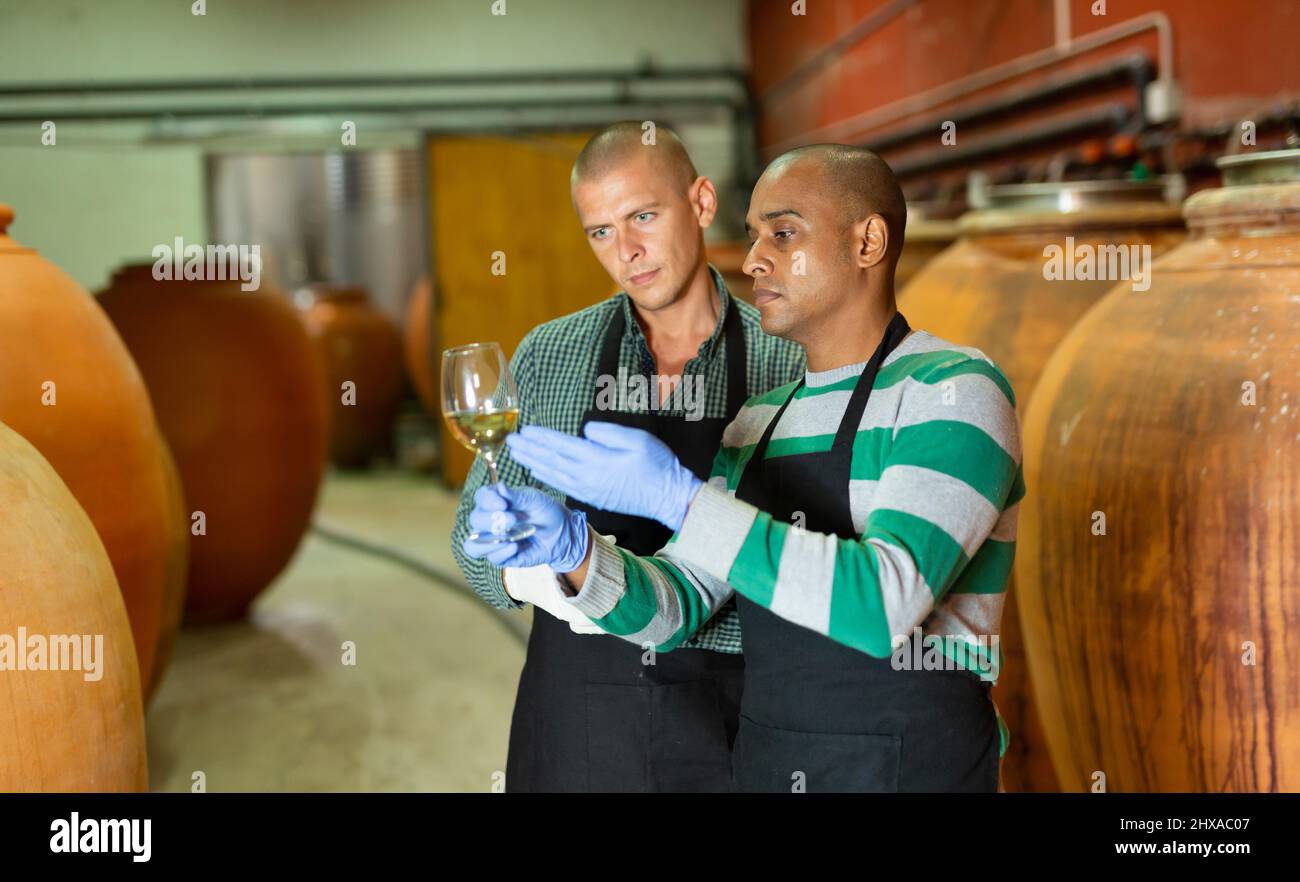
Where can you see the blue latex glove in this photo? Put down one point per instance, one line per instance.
(614, 468)
(560, 540)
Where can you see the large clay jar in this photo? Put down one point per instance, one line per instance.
(239, 392)
(924, 240)
(990, 290)
(417, 348)
(69, 386)
(1159, 556)
(178, 566)
(362, 355)
(61, 731)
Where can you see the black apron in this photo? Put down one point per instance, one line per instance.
(820, 716)
(589, 715)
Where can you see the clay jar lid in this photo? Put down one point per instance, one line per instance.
(8, 245)
(139, 267)
(1072, 205)
(930, 221)
(1260, 192)
(337, 291)
(926, 230)
(140, 272)
(340, 294)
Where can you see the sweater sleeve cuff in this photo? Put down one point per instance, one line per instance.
(605, 584)
(714, 530)
(498, 579)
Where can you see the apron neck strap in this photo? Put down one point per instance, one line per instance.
(848, 428)
(607, 364)
(733, 329)
(895, 331)
(737, 385)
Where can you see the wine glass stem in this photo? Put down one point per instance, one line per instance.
(492, 469)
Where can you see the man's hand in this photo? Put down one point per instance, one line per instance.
(614, 468)
(560, 540)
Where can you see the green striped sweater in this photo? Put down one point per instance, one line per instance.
(934, 491)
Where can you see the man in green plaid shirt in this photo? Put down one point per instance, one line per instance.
(673, 353)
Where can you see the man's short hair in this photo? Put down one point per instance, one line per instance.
(860, 182)
(620, 141)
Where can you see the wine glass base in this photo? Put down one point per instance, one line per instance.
(523, 531)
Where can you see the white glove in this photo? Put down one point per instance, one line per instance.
(541, 587)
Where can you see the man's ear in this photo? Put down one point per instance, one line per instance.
(871, 234)
(704, 201)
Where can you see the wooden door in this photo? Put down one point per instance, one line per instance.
(506, 195)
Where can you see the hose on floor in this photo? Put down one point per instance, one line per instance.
(511, 620)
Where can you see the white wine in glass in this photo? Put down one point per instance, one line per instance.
(480, 403)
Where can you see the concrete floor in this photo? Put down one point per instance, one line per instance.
(268, 705)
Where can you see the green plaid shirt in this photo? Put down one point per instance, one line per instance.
(555, 369)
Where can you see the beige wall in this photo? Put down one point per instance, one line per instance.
(46, 40)
(106, 193)
(89, 210)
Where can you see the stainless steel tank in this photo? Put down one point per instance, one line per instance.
(345, 216)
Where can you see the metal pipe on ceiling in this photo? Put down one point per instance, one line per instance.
(1110, 117)
(1134, 70)
(380, 81)
(263, 111)
(857, 127)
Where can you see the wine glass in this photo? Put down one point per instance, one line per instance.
(480, 403)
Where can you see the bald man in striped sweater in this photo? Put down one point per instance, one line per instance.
(864, 517)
